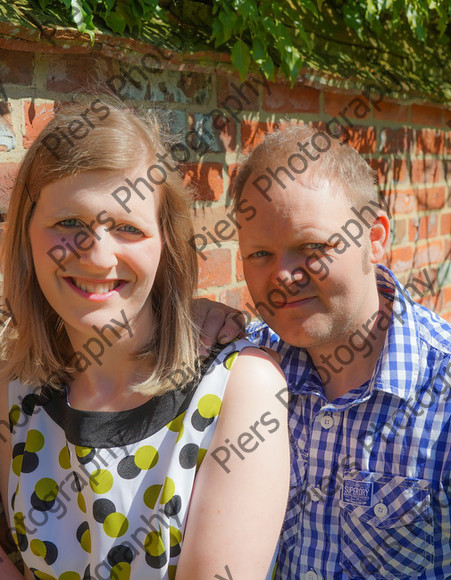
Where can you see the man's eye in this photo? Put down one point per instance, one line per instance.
(131, 230)
(69, 223)
(315, 246)
(259, 254)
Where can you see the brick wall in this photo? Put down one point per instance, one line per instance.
(408, 142)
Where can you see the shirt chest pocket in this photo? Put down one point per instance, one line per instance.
(386, 527)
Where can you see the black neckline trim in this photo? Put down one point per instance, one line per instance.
(104, 429)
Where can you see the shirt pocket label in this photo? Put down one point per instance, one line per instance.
(386, 528)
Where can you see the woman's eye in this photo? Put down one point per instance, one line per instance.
(69, 223)
(131, 230)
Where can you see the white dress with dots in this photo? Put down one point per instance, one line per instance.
(105, 495)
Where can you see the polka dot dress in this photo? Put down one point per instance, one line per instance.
(105, 495)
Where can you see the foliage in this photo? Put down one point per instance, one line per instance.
(277, 34)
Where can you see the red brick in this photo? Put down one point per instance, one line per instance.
(382, 167)
(239, 267)
(16, 67)
(349, 105)
(363, 139)
(399, 170)
(401, 259)
(36, 118)
(8, 173)
(233, 93)
(391, 112)
(206, 178)
(286, 99)
(431, 197)
(426, 171)
(237, 298)
(430, 141)
(427, 115)
(207, 296)
(431, 302)
(430, 252)
(399, 232)
(253, 133)
(445, 224)
(396, 140)
(216, 270)
(424, 227)
(402, 201)
(446, 293)
(232, 171)
(68, 73)
(213, 222)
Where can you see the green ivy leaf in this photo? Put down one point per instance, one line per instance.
(116, 22)
(241, 57)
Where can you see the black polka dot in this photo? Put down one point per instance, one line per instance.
(18, 449)
(28, 404)
(40, 504)
(156, 561)
(120, 554)
(51, 553)
(87, 458)
(127, 468)
(188, 455)
(87, 574)
(175, 550)
(173, 506)
(22, 542)
(13, 499)
(102, 508)
(30, 462)
(81, 530)
(200, 423)
(76, 482)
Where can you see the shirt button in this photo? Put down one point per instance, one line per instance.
(315, 494)
(327, 421)
(311, 575)
(380, 510)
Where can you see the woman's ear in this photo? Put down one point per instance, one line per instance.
(379, 237)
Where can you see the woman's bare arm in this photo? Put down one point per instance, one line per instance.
(239, 498)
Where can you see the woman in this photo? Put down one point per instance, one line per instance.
(116, 430)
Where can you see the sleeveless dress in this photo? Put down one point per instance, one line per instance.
(105, 495)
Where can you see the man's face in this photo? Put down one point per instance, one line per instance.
(313, 292)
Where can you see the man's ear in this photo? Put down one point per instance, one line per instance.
(379, 237)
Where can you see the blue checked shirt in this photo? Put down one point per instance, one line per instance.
(370, 493)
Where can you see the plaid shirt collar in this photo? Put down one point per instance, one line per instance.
(398, 365)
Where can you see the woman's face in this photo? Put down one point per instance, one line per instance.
(96, 259)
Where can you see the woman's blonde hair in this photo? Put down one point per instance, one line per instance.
(34, 344)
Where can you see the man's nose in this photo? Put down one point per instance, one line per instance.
(290, 270)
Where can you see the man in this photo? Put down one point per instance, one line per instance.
(368, 369)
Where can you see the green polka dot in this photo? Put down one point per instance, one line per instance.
(69, 576)
(177, 425)
(46, 489)
(230, 360)
(43, 575)
(81, 502)
(115, 525)
(38, 548)
(85, 541)
(64, 457)
(14, 414)
(121, 571)
(35, 441)
(82, 451)
(16, 465)
(209, 406)
(146, 457)
(175, 536)
(172, 570)
(154, 544)
(200, 457)
(19, 523)
(101, 481)
(168, 490)
(151, 495)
